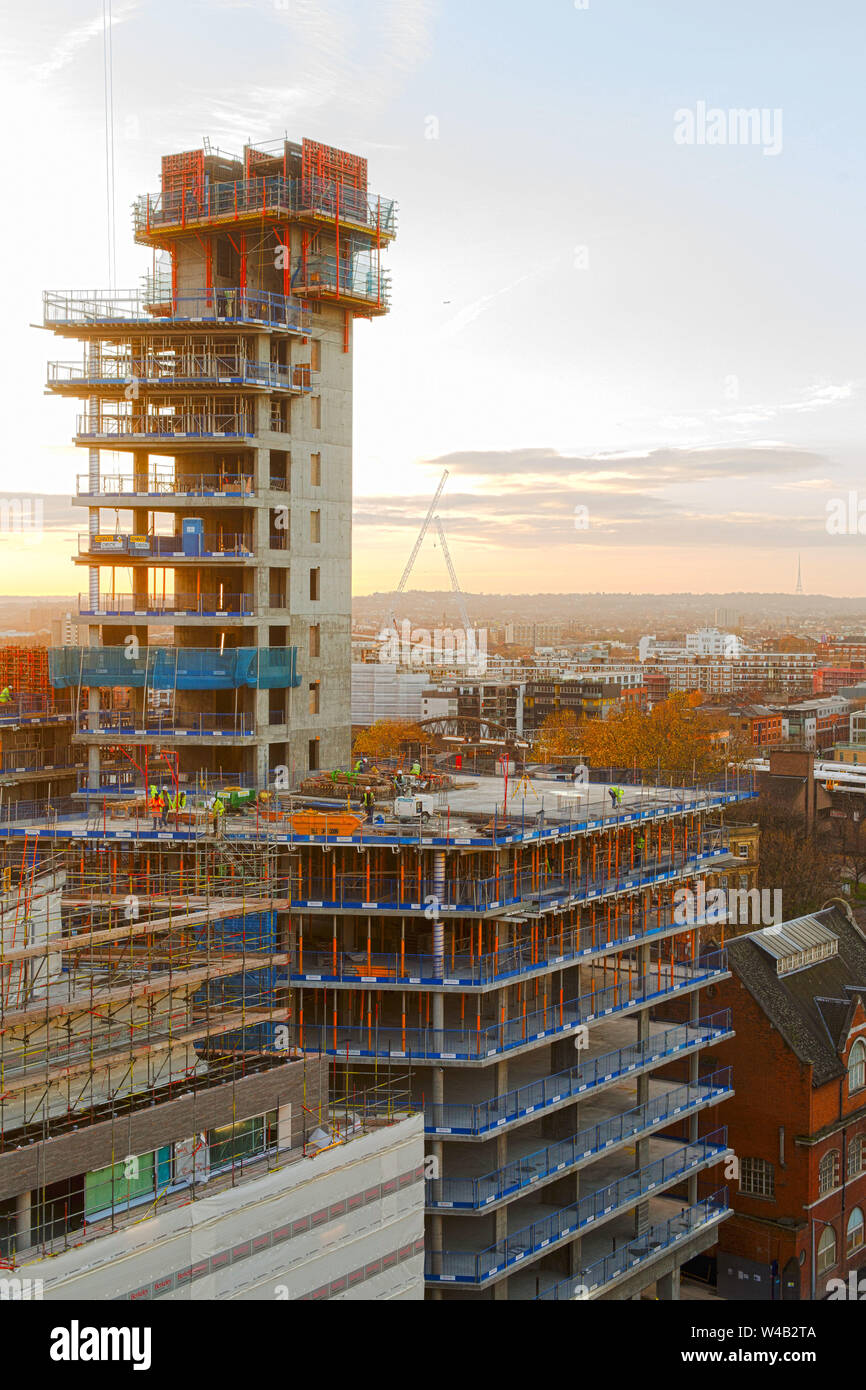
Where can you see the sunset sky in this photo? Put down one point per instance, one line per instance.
(586, 312)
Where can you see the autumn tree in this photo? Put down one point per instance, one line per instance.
(391, 738)
(558, 737)
(673, 738)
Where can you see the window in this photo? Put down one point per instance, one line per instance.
(828, 1172)
(757, 1177)
(857, 1156)
(855, 1232)
(315, 585)
(280, 415)
(277, 587)
(316, 355)
(225, 260)
(315, 528)
(280, 469)
(826, 1250)
(230, 1144)
(743, 851)
(280, 528)
(314, 755)
(124, 1184)
(857, 1067)
(315, 697)
(316, 408)
(315, 470)
(315, 640)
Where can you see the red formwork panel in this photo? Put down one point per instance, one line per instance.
(323, 166)
(254, 158)
(24, 669)
(183, 171)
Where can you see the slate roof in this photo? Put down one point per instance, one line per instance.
(812, 1007)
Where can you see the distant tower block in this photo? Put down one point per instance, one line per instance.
(799, 574)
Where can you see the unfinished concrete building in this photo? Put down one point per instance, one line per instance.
(160, 1134)
(197, 1004)
(216, 410)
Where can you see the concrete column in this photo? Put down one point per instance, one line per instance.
(94, 757)
(668, 1287)
(642, 1147)
(284, 1127)
(438, 1012)
(93, 474)
(694, 1072)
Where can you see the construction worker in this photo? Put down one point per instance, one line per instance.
(639, 848)
(6, 695)
(416, 769)
(167, 806)
(369, 805)
(156, 806)
(181, 801)
(219, 810)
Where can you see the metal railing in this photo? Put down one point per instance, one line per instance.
(37, 760)
(214, 371)
(507, 889)
(552, 1159)
(354, 279)
(477, 1044)
(163, 547)
(204, 424)
(94, 308)
(165, 724)
(166, 605)
(274, 196)
(640, 1249)
(494, 1115)
(31, 706)
(534, 953)
(158, 485)
(467, 1267)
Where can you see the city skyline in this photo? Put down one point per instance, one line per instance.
(562, 339)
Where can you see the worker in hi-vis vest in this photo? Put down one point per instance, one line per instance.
(6, 695)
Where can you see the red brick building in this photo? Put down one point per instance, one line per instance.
(797, 1122)
(829, 680)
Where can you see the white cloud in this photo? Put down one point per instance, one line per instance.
(71, 43)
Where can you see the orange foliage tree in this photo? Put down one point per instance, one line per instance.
(558, 737)
(673, 738)
(391, 738)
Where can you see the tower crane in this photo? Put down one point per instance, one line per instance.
(390, 618)
(455, 584)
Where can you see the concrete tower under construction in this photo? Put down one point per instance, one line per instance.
(216, 409)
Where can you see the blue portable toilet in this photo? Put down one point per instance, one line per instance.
(193, 536)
